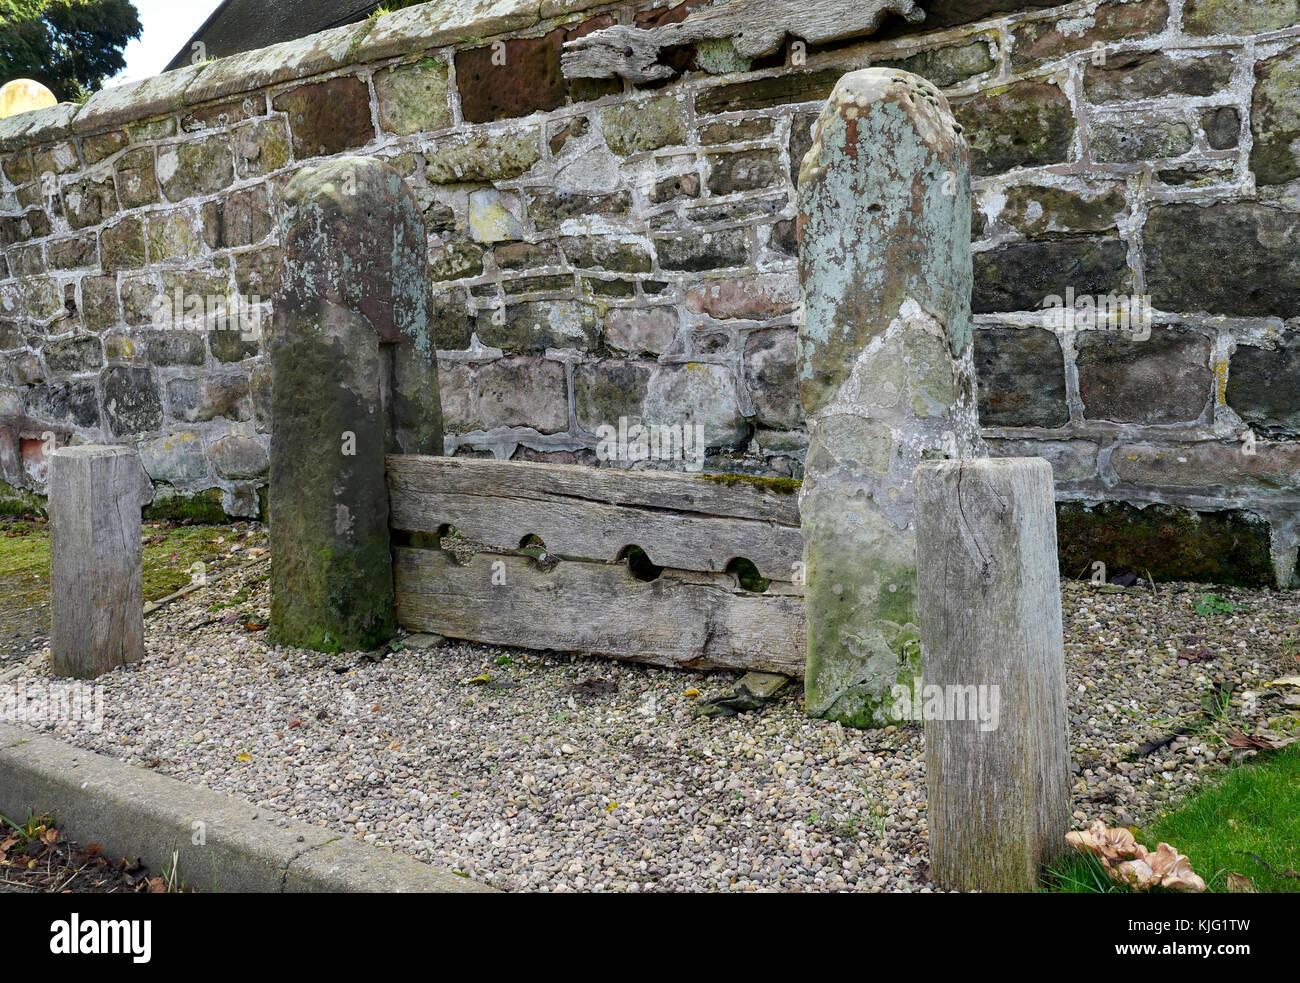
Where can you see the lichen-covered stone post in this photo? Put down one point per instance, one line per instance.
(96, 595)
(353, 377)
(886, 375)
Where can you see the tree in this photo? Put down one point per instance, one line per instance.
(71, 46)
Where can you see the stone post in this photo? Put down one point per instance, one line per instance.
(997, 761)
(353, 377)
(96, 597)
(886, 374)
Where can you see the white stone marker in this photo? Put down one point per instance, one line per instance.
(992, 653)
(96, 596)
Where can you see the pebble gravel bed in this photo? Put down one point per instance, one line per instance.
(548, 772)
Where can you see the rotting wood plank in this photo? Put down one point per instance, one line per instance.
(680, 620)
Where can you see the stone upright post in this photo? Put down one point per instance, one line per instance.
(353, 377)
(886, 375)
(997, 762)
(96, 595)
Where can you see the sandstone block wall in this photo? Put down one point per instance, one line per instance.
(600, 249)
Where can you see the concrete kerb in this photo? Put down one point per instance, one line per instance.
(221, 844)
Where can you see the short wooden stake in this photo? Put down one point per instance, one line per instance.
(992, 690)
(96, 597)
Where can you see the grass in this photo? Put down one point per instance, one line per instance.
(1247, 822)
(168, 563)
(170, 555)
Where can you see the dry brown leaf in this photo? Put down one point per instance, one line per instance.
(1240, 884)
(1238, 739)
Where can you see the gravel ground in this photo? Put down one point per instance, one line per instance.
(566, 773)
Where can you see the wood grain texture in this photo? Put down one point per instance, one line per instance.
(681, 619)
(990, 605)
(753, 29)
(684, 521)
(96, 592)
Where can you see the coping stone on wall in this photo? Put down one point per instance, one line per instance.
(428, 25)
(37, 126)
(417, 28)
(153, 96)
(261, 67)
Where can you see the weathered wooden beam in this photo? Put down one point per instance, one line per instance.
(753, 30)
(96, 597)
(735, 495)
(990, 603)
(680, 620)
(690, 522)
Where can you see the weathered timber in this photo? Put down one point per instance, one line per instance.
(96, 597)
(752, 29)
(886, 374)
(737, 496)
(990, 604)
(681, 619)
(684, 521)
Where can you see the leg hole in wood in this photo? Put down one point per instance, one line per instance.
(638, 564)
(747, 575)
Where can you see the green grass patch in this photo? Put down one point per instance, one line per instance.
(169, 555)
(1246, 822)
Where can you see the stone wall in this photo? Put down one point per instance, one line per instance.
(602, 250)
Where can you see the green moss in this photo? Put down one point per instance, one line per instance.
(20, 501)
(1225, 547)
(202, 507)
(169, 563)
(168, 558)
(782, 486)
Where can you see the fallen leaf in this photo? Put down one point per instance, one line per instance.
(692, 693)
(251, 626)
(1238, 739)
(480, 680)
(294, 722)
(1240, 884)
(1285, 681)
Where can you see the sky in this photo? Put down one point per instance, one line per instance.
(167, 26)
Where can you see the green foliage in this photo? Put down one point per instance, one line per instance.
(70, 46)
(1213, 604)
